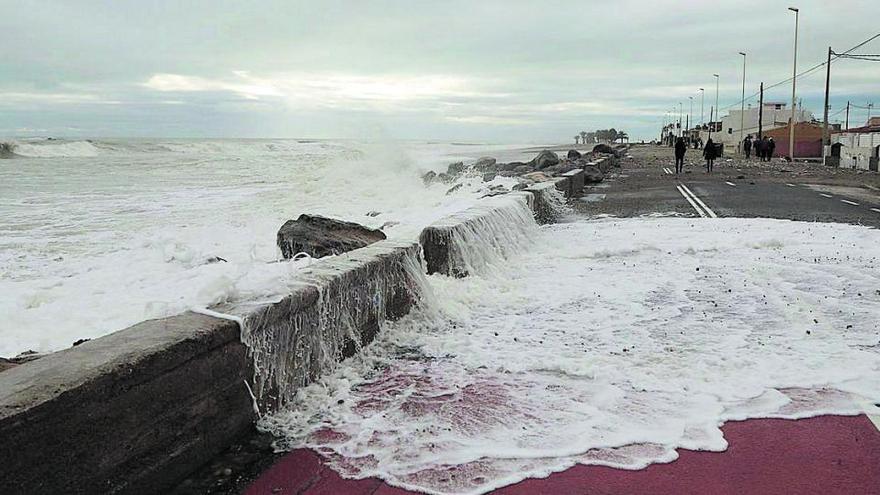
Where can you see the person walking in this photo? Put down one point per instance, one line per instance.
(680, 148)
(759, 148)
(710, 152)
(747, 146)
(771, 147)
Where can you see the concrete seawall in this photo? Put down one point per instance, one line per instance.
(137, 410)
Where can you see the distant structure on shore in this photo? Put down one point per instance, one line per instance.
(602, 136)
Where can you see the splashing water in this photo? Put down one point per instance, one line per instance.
(609, 342)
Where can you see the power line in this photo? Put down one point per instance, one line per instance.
(806, 72)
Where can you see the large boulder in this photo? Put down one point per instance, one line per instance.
(485, 164)
(545, 159)
(603, 148)
(592, 175)
(536, 177)
(455, 168)
(573, 154)
(320, 236)
(523, 169)
(510, 166)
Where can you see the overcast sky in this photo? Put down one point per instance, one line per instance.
(498, 71)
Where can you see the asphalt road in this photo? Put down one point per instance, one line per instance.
(644, 185)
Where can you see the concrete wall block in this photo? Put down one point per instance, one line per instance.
(576, 184)
(130, 412)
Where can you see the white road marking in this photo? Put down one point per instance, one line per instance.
(826, 195)
(790, 185)
(667, 170)
(689, 200)
(730, 184)
(849, 202)
(700, 202)
(875, 209)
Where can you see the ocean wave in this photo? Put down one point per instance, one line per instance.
(47, 149)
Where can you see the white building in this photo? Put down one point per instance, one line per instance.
(775, 115)
(856, 148)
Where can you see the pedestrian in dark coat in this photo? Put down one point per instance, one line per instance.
(747, 146)
(771, 147)
(759, 148)
(680, 149)
(710, 152)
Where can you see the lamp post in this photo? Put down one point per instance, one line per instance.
(716, 105)
(702, 103)
(742, 105)
(793, 85)
(690, 115)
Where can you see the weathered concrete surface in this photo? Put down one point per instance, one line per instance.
(130, 412)
(335, 309)
(544, 204)
(437, 240)
(575, 182)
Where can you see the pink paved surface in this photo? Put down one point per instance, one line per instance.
(825, 455)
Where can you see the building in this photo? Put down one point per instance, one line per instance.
(807, 139)
(774, 116)
(856, 148)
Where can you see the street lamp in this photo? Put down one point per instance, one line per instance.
(690, 113)
(742, 105)
(793, 85)
(702, 102)
(716, 105)
(679, 119)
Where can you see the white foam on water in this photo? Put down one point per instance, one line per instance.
(90, 245)
(611, 342)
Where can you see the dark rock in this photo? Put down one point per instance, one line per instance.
(321, 236)
(573, 154)
(566, 167)
(489, 176)
(455, 168)
(510, 166)
(485, 164)
(603, 148)
(552, 170)
(80, 341)
(430, 177)
(545, 159)
(522, 169)
(444, 178)
(453, 189)
(373, 213)
(592, 175)
(211, 260)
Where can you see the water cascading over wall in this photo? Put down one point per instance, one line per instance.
(339, 307)
(471, 241)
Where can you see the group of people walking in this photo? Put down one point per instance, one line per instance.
(764, 147)
(710, 153)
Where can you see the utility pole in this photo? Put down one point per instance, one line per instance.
(847, 115)
(826, 137)
(717, 111)
(797, 16)
(680, 130)
(742, 106)
(690, 113)
(711, 109)
(761, 112)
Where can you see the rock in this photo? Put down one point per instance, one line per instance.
(573, 154)
(603, 148)
(373, 213)
(80, 341)
(552, 170)
(545, 159)
(510, 166)
(566, 167)
(211, 260)
(520, 186)
(453, 189)
(523, 169)
(444, 178)
(507, 173)
(430, 177)
(592, 175)
(489, 176)
(320, 236)
(485, 164)
(455, 168)
(536, 176)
